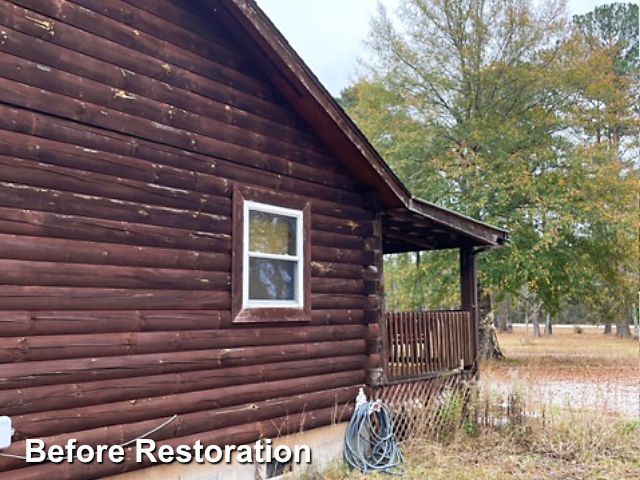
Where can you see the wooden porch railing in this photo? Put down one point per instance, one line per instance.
(421, 344)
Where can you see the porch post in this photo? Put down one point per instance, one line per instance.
(469, 287)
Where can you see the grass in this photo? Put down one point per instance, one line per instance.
(554, 440)
(567, 453)
(566, 350)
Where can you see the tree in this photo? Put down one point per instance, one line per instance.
(462, 102)
(481, 106)
(606, 119)
(613, 27)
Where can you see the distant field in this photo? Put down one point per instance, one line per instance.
(567, 350)
(590, 370)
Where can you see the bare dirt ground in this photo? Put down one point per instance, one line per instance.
(589, 370)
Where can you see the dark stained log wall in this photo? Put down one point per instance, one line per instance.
(124, 126)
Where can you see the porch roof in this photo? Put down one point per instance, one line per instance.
(424, 226)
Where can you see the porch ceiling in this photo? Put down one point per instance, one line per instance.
(425, 226)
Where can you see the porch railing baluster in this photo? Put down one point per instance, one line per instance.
(425, 344)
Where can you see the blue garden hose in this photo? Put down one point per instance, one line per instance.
(370, 444)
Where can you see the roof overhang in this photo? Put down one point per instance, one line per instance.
(425, 226)
(315, 104)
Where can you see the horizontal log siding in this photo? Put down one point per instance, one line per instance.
(123, 127)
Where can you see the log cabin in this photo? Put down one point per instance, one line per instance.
(191, 228)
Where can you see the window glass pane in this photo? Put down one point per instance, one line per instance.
(272, 279)
(270, 233)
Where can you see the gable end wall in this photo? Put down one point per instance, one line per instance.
(124, 127)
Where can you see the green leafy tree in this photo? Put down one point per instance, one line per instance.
(605, 119)
(482, 106)
(613, 27)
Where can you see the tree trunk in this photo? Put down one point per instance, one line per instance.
(548, 326)
(608, 329)
(488, 337)
(503, 316)
(503, 324)
(536, 325)
(623, 329)
(636, 327)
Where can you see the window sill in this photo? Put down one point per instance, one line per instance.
(274, 315)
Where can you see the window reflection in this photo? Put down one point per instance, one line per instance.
(272, 279)
(271, 233)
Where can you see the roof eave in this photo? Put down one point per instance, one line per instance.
(481, 233)
(303, 89)
(375, 170)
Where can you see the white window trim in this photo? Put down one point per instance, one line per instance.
(299, 258)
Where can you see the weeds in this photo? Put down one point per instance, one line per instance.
(561, 444)
(507, 430)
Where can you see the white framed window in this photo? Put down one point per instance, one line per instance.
(273, 257)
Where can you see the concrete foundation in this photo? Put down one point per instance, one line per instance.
(326, 444)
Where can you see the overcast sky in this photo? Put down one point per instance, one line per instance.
(329, 34)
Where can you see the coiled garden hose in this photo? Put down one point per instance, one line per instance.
(370, 444)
